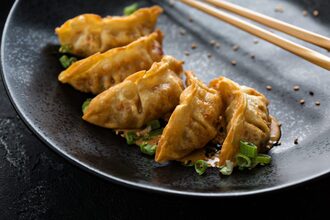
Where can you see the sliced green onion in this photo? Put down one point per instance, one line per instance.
(156, 132)
(227, 169)
(200, 167)
(67, 61)
(152, 134)
(243, 161)
(146, 137)
(130, 137)
(131, 9)
(85, 105)
(155, 124)
(65, 48)
(148, 148)
(248, 149)
(263, 159)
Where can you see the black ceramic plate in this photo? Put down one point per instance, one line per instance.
(53, 111)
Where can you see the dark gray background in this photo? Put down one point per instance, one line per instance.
(36, 183)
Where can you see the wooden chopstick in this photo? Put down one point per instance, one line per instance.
(304, 52)
(292, 30)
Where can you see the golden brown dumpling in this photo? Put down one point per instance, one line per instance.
(246, 115)
(140, 98)
(88, 34)
(193, 123)
(103, 70)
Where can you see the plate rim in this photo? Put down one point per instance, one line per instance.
(113, 179)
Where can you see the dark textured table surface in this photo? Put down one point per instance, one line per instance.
(36, 183)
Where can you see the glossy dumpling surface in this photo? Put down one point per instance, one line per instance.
(142, 97)
(100, 71)
(88, 34)
(193, 123)
(246, 115)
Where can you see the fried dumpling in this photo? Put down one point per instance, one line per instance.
(88, 34)
(102, 70)
(246, 115)
(140, 98)
(192, 124)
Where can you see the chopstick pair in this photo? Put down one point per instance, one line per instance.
(299, 50)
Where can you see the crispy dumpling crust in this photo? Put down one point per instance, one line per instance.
(193, 123)
(246, 115)
(140, 98)
(88, 34)
(103, 70)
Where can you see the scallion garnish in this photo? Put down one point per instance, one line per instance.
(249, 157)
(155, 124)
(65, 48)
(227, 169)
(85, 105)
(130, 137)
(200, 167)
(131, 9)
(152, 134)
(146, 137)
(148, 148)
(156, 132)
(67, 61)
(243, 161)
(248, 149)
(263, 159)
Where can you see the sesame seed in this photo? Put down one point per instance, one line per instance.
(186, 53)
(217, 45)
(302, 101)
(193, 46)
(318, 103)
(256, 41)
(316, 13)
(190, 19)
(183, 31)
(253, 56)
(233, 62)
(209, 55)
(305, 13)
(235, 47)
(171, 2)
(212, 42)
(279, 8)
(311, 93)
(269, 88)
(295, 141)
(296, 88)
